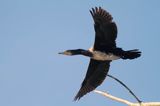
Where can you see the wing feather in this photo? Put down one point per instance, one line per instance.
(96, 73)
(105, 29)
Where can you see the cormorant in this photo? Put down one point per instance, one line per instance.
(102, 53)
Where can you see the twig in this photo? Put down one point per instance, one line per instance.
(125, 101)
(113, 97)
(139, 101)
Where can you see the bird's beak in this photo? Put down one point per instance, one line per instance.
(61, 53)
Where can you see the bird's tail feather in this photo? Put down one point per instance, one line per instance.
(131, 54)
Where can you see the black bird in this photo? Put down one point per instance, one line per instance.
(102, 53)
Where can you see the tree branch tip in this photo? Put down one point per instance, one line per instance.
(125, 101)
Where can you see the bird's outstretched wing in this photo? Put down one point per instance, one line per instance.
(105, 29)
(96, 73)
(106, 33)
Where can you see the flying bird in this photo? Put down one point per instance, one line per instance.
(102, 53)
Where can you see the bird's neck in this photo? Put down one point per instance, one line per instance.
(82, 52)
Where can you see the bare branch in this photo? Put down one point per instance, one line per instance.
(125, 101)
(113, 97)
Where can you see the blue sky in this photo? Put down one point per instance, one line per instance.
(32, 32)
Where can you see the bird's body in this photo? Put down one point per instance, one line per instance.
(114, 54)
(101, 56)
(103, 52)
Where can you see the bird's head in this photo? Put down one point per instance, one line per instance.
(73, 52)
(67, 52)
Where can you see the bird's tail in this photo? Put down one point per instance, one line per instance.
(131, 54)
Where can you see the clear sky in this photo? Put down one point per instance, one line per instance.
(32, 32)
